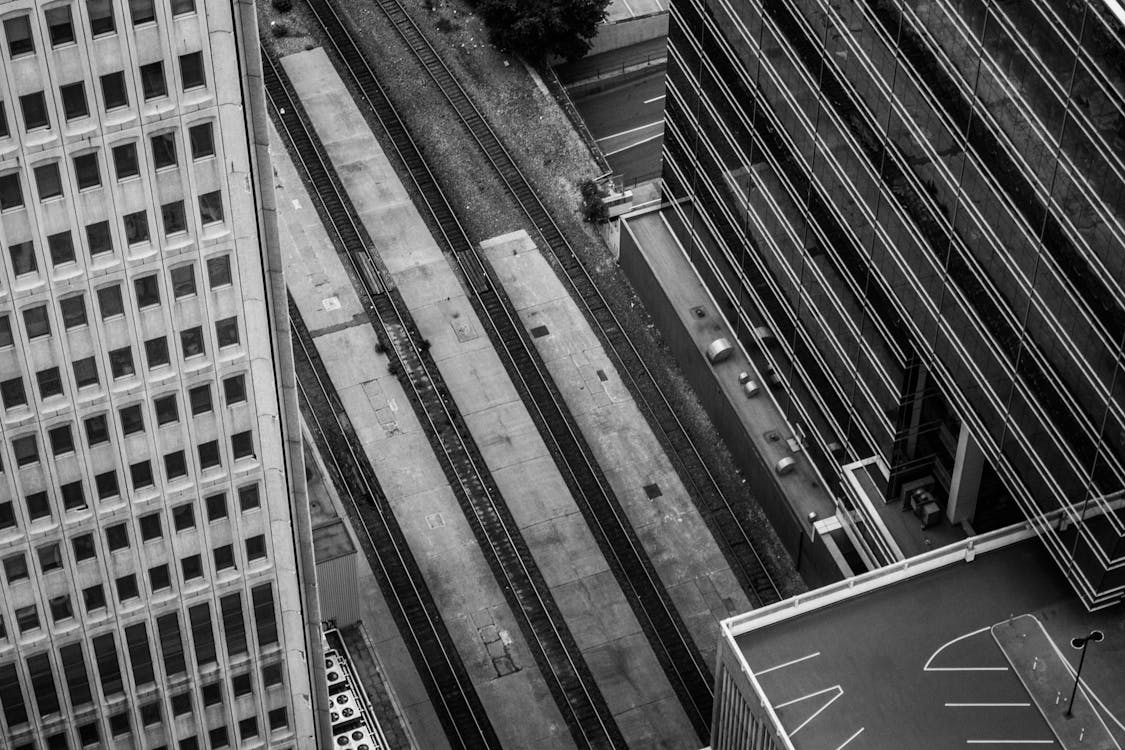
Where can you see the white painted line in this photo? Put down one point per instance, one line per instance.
(848, 741)
(806, 697)
(632, 130)
(654, 99)
(1009, 742)
(787, 664)
(947, 644)
(817, 712)
(984, 705)
(635, 144)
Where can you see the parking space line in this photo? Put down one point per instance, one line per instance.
(1009, 742)
(983, 705)
(787, 664)
(847, 742)
(634, 144)
(839, 692)
(654, 99)
(947, 644)
(632, 130)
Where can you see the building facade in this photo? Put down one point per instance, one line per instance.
(151, 491)
(922, 202)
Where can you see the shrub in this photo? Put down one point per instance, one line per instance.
(283, 6)
(279, 29)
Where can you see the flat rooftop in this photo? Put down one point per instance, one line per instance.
(921, 660)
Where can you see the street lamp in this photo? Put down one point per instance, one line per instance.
(1096, 636)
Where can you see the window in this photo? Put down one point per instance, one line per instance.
(140, 474)
(148, 290)
(59, 25)
(36, 322)
(50, 558)
(110, 302)
(23, 258)
(218, 737)
(47, 181)
(226, 331)
(216, 507)
(46, 697)
(191, 70)
(152, 80)
(85, 372)
(27, 618)
(99, 238)
(97, 431)
(93, 598)
(211, 207)
(175, 465)
(182, 7)
(74, 100)
(11, 194)
(248, 728)
(84, 547)
(132, 419)
(6, 332)
(4, 132)
(77, 685)
(248, 497)
(192, 567)
(117, 537)
(15, 568)
(50, 383)
(181, 704)
(12, 393)
(60, 608)
(125, 161)
(62, 441)
(106, 484)
(38, 506)
(26, 450)
(202, 141)
(241, 685)
(234, 624)
(212, 694)
(234, 389)
(61, 247)
(73, 496)
(121, 362)
(7, 516)
(159, 578)
(101, 16)
(156, 352)
(200, 398)
(173, 217)
(88, 734)
(142, 11)
(136, 227)
(150, 714)
(126, 587)
(164, 150)
(18, 32)
(151, 527)
(166, 410)
(183, 281)
(183, 517)
(34, 108)
(113, 90)
(86, 171)
(272, 675)
(256, 547)
(279, 719)
(191, 341)
(209, 454)
(242, 445)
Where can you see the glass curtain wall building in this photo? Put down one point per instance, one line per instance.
(151, 483)
(923, 201)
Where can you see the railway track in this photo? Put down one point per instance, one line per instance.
(687, 671)
(556, 653)
(718, 510)
(454, 698)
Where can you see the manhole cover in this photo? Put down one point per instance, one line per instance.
(434, 520)
(653, 491)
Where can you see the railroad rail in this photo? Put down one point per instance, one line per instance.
(553, 646)
(452, 693)
(717, 509)
(687, 671)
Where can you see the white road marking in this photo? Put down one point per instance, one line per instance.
(848, 741)
(635, 144)
(947, 644)
(982, 705)
(839, 691)
(1009, 742)
(632, 130)
(654, 99)
(787, 664)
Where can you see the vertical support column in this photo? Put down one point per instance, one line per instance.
(965, 484)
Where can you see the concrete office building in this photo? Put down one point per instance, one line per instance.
(914, 210)
(151, 491)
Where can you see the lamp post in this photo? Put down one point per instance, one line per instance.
(1096, 636)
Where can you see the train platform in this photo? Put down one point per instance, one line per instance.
(969, 646)
(471, 603)
(593, 605)
(674, 535)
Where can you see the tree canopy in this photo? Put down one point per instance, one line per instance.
(538, 29)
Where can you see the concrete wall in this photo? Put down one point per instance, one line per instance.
(633, 31)
(814, 561)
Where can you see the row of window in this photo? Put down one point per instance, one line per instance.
(60, 22)
(115, 93)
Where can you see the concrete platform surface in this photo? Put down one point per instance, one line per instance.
(472, 605)
(629, 674)
(659, 508)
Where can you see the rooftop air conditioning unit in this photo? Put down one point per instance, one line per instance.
(718, 350)
(785, 466)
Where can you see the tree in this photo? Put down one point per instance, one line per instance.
(537, 29)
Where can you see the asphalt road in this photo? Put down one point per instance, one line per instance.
(627, 120)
